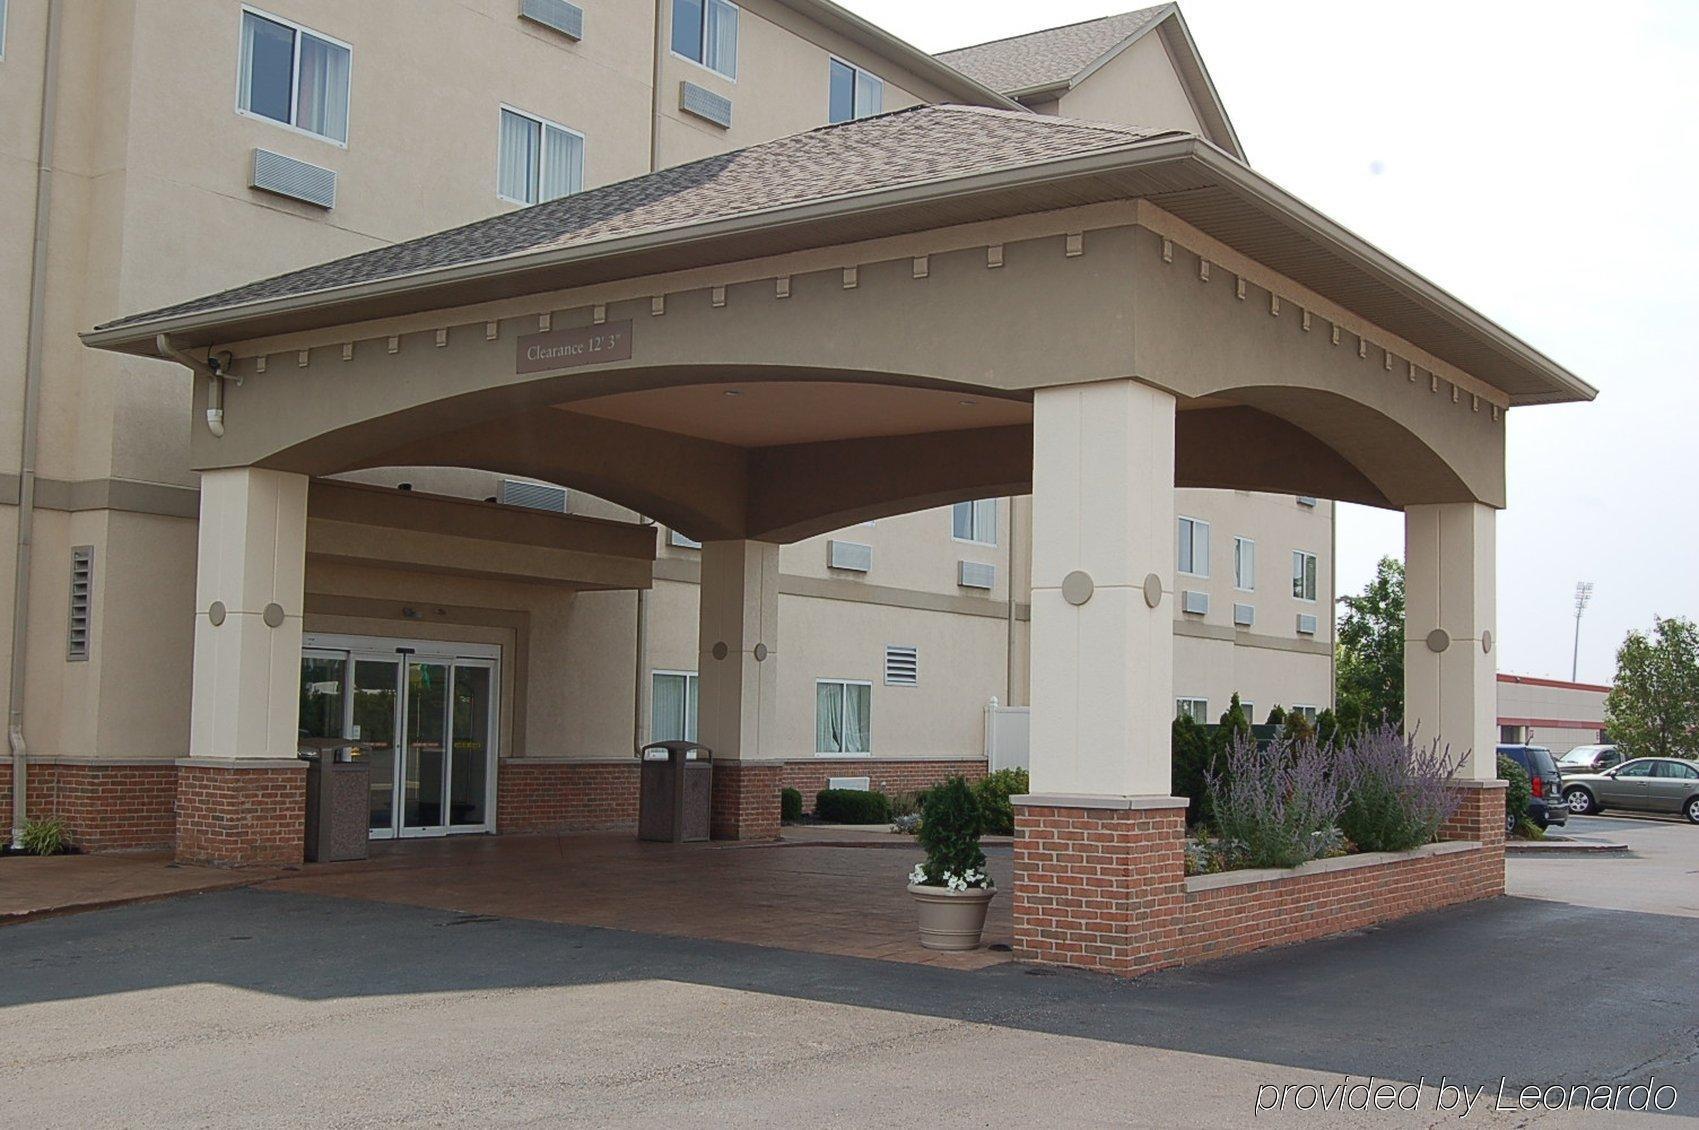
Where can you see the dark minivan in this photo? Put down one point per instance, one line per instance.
(1546, 807)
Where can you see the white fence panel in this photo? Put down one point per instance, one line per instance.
(1008, 732)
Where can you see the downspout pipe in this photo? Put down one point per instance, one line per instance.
(213, 367)
(31, 416)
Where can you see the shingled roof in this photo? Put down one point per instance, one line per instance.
(1051, 57)
(908, 147)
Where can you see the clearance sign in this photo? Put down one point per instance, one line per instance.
(568, 348)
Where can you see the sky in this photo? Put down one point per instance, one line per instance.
(1540, 161)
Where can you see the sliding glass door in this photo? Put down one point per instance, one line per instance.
(424, 718)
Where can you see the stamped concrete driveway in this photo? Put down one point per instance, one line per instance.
(1659, 875)
(265, 1007)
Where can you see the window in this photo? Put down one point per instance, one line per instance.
(1308, 713)
(975, 521)
(2, 29)
(1194, 547)
(1510, 735)
(842, 716)
(672, 706)
(683, 542)
(1197, 709)
(1303, 575)
(294, 76)
(539, 159)
(1250, 709)
(705, 31)
(1636, 769)
(854, 93)
(1672, 771)
(1245, 564)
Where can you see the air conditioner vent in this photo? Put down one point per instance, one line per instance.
(1244, 615)
(705, 104)
(568, 19)
(1306, 624)
(536, 496)
(1194, 602)
(976, 575)
(849, 555)
(285, 176)
(902, 666)
(859, 784)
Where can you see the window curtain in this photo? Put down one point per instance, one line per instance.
(828, 717)
(722, 37)
(857, 715)
(268, 60)
(869, 98)
(322, 106)
(687, 28)
(668, 708)
(961, 521)
(519, 157)
(563, 163)
(985, 520)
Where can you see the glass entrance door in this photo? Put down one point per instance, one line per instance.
(424, 719)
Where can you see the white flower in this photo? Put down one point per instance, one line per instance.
(918, 875)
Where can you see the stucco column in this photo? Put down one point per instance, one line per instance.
(241, 790)
(1102, 575)
(1450, 688)
(738, 687)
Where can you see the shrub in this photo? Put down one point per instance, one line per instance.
(1274, 806)
(1518, 793)
(46, 837)
(1397, 794)
(997, 815)
(1194, 749)
(852, 806)
(907, 804)
(790, 804)
(949, 831)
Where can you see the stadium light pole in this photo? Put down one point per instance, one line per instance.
(1583, 594)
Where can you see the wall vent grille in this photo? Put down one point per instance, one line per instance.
(568, 19)
(850, 555)
(705, 104)
(1306, 624)
(82, 602)
(285, 176)
(902, 666)
(1194, 602)
(976, 575)
(1244, 615)
(535, 496)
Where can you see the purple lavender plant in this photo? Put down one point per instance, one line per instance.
(1276, 804)
(1397, 793)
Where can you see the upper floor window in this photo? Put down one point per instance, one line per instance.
(1245, 564)
(2, 29)
(294, 76)
(1303, 575)
(975, 521)
(855, 93)
(540, 160)
(705, 31)
(1197, 709)
(1193, 556)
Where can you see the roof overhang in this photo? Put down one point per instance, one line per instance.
(870, 35)
(1190, 178)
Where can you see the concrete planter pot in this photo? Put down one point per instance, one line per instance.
(950, 920)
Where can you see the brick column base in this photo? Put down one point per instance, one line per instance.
(238, 815)
(1480, 817)
(745, 804)
(1099, 882)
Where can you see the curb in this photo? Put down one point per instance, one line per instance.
(67, 909)
(1565, 847)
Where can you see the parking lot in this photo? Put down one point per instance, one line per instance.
(1659, 875)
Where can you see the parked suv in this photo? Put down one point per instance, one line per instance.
(1546, 806)
(1590, 759)
(1646, 784)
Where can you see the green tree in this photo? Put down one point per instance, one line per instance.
(1653, 708)
(1370, 652)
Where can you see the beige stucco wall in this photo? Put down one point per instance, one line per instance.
(1137, 87)
(1553, 714)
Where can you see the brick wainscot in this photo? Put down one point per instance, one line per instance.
(239, 813)
(889, 775)
(1100, 884)
(108, 805)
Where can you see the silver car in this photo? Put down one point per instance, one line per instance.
(1646, 784)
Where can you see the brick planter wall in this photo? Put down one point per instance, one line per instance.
(241, 816)
(745, 803)
(889, 775)
(106, 805)
(566, 796)
(1104, 888)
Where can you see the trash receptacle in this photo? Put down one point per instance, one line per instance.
(674, 793)
(338, 803)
